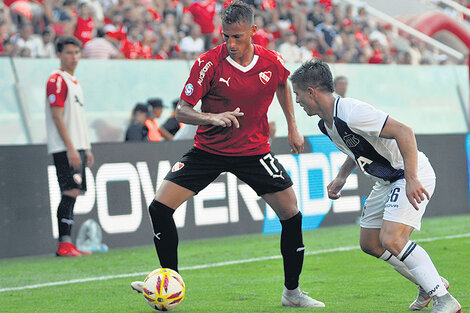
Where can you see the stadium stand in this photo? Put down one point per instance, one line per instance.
(336, 31)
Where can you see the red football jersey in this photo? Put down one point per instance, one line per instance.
(84, 29)
(224, 85)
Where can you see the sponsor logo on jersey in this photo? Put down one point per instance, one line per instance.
(225, 81)
(265, 77)
(177, 166)
(200, 61)
(188, 89)
(51, 98)
(202, 73)
(351, 140)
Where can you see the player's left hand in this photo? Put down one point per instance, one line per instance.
(415, 192)
(90, 159)
(296, 141)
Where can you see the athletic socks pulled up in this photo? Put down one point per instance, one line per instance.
(292, 249)
(421, 267)
(165, 234)
(65, 217)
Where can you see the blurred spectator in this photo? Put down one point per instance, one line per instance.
(261, 37)
(131, 46)
(377, 55)
(84, 23)
(149, 38)
(156, 106)
(203, 14)
(100, 48)
(193, 45)
(137, 131)
(289, 50)
(327, 33)
(309, 50)
(47, 49)
(340, 84)
(171, 126)
(27, 39)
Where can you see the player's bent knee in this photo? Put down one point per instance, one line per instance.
(391, 244)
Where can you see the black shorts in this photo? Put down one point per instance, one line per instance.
(197, 169)
(68, 177)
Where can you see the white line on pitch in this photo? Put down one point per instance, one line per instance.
(83, 280)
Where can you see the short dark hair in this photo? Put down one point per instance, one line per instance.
(237, 12)
(67, 40)
(155, 103)
(140, 107)
(315, 74)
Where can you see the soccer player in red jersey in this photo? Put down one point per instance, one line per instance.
(236, 83)
(67, 138)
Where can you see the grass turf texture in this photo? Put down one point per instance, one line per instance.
(346, 281)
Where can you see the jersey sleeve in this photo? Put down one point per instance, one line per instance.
(367, 120)
(199, 81)
(56, 91)
(282, 70)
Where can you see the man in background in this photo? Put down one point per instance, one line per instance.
(67, 138)
(341, 85)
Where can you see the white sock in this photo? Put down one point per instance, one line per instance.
(398, 265)
(421, 267)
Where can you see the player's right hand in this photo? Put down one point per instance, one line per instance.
(335, 187)
(74, 159)
(227, 119)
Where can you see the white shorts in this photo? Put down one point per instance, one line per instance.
(389, 202)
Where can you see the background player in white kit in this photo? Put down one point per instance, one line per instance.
(385, 150)
(67, 138)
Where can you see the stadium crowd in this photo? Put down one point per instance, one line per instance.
(182, 29)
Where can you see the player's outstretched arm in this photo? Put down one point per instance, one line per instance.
(406, 141)
(284, 95)
(337, 184)
(185, 113)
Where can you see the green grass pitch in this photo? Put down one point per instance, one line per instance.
(346, 281)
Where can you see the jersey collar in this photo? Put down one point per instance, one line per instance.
(244, 69)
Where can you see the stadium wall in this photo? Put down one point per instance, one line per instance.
(122, 183)
(420, 96)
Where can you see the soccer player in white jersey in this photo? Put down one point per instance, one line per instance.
(386, 150)
(67, 138)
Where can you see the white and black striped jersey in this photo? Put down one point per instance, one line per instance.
(356, 132)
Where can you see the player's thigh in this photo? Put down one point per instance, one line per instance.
(398, 208)
(263, 173)
(195, 170)
(68, 178)
(283, 202)
(372, 212)
(172, 195)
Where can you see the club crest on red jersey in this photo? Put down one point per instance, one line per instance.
(265, 77)
(177, 166)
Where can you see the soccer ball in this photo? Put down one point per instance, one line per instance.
(164, 289)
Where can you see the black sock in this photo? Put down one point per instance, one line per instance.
(165, 234)
(65, 217)
(292, 249)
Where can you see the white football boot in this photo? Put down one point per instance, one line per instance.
(446, 304)
(299, 298)
(137, 286)
(423, 299)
